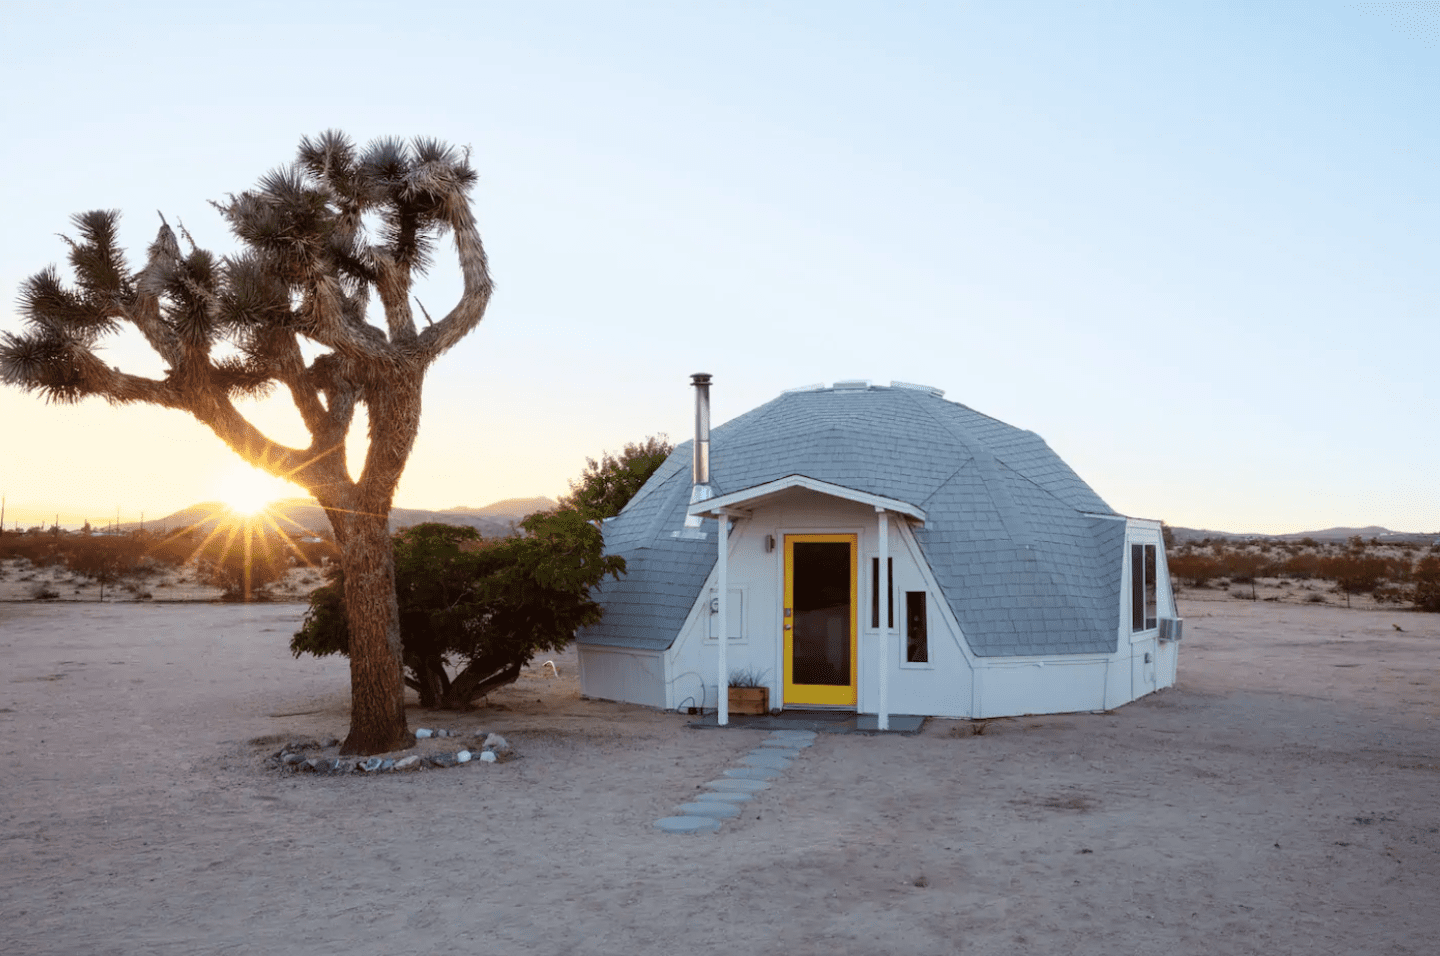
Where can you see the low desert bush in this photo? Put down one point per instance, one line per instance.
(1196, 570)
(1425, 591)
(1390, 594)
(1354, 574)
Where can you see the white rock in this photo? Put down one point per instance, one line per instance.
(463, 756)
(488, 756)
(496, 742)
(422, 733)
(411, 762)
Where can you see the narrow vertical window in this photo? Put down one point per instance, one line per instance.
(1152, 612)
(1137, 587)
(875, 593)
(1142, 587)
(917, 644)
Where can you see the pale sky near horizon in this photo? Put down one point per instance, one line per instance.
(1190, 244)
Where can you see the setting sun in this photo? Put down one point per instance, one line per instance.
(247, 491)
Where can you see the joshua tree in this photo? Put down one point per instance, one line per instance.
(317, 237)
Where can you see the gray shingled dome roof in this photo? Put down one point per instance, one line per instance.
(1013, 536)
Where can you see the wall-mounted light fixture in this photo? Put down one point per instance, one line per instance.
(769, 543)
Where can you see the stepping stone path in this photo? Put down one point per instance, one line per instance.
(724, 796)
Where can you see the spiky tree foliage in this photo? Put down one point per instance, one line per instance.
(318, 239)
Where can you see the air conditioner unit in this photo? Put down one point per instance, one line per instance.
(1171, 628)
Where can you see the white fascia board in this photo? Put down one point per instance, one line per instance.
(737, 499)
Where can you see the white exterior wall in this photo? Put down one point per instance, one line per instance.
(941, 687)
(953, 683)
(1153, 662)
(1025, 685)
(617, 673)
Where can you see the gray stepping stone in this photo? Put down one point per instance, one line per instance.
(793, 734)
(786, 743)
(785, 752)
(738, 786)
(688, 824)
(727, 797)
(752, 773)
(765, 760)
(707, 808)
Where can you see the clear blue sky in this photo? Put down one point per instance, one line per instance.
(1191, 244)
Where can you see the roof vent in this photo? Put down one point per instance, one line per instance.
(853, 383)
(937, 392)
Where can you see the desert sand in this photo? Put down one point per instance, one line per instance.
(1281, 799)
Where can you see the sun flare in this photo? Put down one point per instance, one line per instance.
(247, 491)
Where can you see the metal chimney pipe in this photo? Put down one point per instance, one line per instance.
(700, 490)
(701, 467)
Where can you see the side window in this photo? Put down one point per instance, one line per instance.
(1143, 612)
(917, 644)
(875, 593)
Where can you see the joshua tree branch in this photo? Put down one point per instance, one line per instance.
(475, 268)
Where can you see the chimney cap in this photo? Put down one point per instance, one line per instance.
(700, 378)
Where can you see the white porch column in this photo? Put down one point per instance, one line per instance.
(722, 585)
(883, 614)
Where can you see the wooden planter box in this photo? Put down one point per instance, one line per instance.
(749, 700)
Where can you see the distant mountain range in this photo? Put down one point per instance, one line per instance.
(493, 520)
(1183, 535)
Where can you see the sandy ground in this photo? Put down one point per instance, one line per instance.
(1282, 799)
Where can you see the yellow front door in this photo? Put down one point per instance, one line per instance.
(819, 619)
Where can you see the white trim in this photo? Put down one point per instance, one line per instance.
(907, 665)
(722, 645)
(715, 506)
(882, 519)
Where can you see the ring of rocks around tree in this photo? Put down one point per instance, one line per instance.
(298, 756)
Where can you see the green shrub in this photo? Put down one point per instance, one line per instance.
(482, 606)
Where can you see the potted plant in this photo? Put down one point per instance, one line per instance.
(748, 693)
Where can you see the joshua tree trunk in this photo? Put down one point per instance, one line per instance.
(377, 714)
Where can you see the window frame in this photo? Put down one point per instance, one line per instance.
(924, 604)
(1144, 587)
(875, 593)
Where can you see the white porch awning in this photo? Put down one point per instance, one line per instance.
(739, 500)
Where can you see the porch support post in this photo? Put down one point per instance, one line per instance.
(722, 586)
(886, 603)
